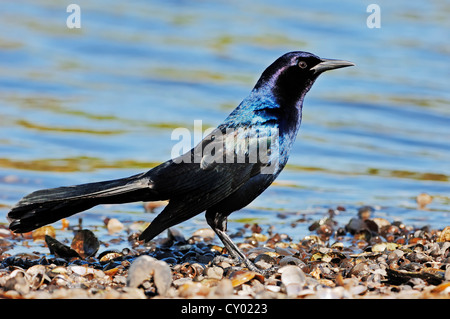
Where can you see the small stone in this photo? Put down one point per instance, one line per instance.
(447, 274)
(423, 200)
(114, 226)
(293, 279)
(204, 233)
(224, 288)
(121, 280)
(445, 235)
(365, 212)
(214, 272)
(40, 233)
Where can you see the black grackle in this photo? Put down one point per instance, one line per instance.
(226, 171)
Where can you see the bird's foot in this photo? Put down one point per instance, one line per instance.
(265, 272)
(236, 261)
(268, 272)
(229, 260)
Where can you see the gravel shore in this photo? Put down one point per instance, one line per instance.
(365, 258)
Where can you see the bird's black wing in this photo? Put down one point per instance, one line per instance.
(199, 182)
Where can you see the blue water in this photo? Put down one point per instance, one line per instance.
(101, 102)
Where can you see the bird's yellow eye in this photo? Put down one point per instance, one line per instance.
(302, 64)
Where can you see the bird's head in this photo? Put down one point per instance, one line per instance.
(291, 76)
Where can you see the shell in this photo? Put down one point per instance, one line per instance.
(445, 235)
(36, 270)
(59, 249)
(289, 260)
(444, 287)
(265, 261)
(204, 233)
(80, 270)
(423, 200)
(40, 233)
(224, 288)
(293, 279)
(260, 250)
(17, 281)
(240, 277)
(192, 289)
(259, 237)
(381, 222)
(85, 243)
(151, 206)
(378, 248)
(36, 276)
(64, 223)
(59, 270)
(61, 280)
(111, 272)
(338, 245)
(192, 270)
(284, 251)
(430, 275)
(109, 255)
(145, 266)
(312, 239)
(114, 226)
(214, 272)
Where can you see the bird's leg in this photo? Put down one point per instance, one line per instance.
(218, 223)
(234, 251)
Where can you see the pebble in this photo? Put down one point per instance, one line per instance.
(423, 200)
(293, 279)
(204, 233)
(445, 235)
(114, 226)
(40, 233)
(214, 272)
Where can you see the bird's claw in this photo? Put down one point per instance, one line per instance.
(247, 263)
(229, 260)
(265, 272)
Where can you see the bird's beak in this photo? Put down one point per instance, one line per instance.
(330, 64)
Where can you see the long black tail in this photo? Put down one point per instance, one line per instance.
(49, 205)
